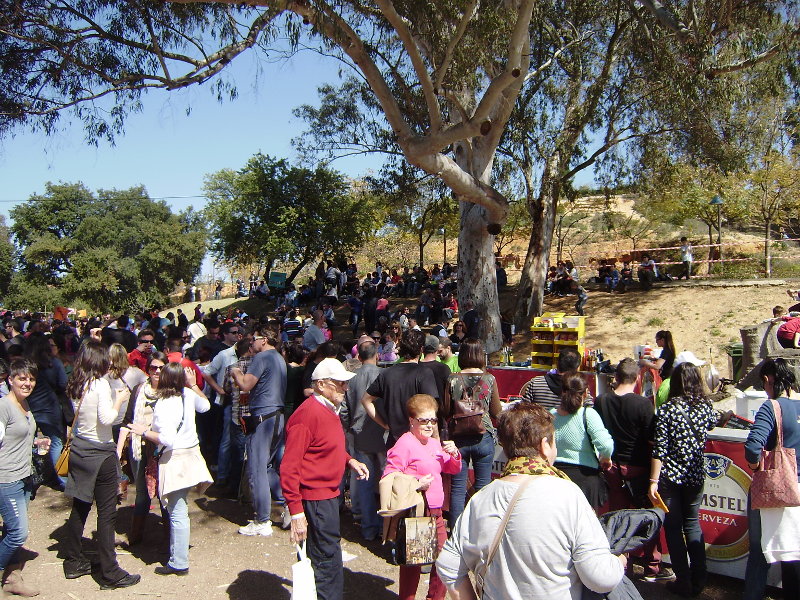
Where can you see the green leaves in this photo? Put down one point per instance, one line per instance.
(271, 211)
(106, 250)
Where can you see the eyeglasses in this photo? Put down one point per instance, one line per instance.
(234, 332)
(150, 341)
(426, 421)
(256, 338)
(156, 367)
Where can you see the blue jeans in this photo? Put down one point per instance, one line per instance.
(141, 505)
(179, 528)
(755, 574)
(14, 498)
(224, 454)
(367, 490)
(479, 451)
(687, 550)
(263, 461)
(755, 578)
(57, 434)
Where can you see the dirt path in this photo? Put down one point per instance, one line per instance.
(224, 564)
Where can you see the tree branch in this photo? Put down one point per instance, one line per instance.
(387, 8)
(667, 19)
(439, 75)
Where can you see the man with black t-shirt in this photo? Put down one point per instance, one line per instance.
(441, 372)
(397, 384)
(630, 419)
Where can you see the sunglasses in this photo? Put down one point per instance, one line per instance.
(424, 421)
(156, 367)
(145, 341)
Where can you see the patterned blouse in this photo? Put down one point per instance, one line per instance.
(680, 442)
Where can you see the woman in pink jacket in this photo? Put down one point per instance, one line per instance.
(420, 454)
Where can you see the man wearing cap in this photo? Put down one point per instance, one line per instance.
(311, 471)
(683, 357)
(439, 370)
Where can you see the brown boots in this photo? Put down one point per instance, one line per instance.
(137, 529)
(14, 584)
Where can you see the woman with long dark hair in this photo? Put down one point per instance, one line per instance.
(180, 464)
(94, 467)
(478, 448)
(45, 399)
(140, 410)
(678, 472)
(780, 384)
(582, 440)
(666, 360)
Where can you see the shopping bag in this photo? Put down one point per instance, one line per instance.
(303, 585)
(417, 542)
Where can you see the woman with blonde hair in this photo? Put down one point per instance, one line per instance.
(120, 372)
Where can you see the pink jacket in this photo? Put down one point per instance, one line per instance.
(412, 457)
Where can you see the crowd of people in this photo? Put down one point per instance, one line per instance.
(275, 410)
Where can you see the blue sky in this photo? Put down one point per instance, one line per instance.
(169, 152)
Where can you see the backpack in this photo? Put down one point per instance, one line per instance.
(467, 411)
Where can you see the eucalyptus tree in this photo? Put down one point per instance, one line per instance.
(629, 79)
(440, 78)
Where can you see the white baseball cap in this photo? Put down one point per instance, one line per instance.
(688, 357)
(330, 368)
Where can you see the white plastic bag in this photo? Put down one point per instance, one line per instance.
(303, 585)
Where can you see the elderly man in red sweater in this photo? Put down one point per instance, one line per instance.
(313, 464)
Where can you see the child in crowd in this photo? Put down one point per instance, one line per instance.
(386, 349)
(583, 297)
(686, 258)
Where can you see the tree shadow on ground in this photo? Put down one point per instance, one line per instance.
(352, 533)
(154, 548)
(219, 510)
(256, 585)
(367, 585)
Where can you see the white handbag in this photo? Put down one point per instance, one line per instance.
(303, 585)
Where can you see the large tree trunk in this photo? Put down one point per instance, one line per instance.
(297, 268)
(530, 297)
(477, 279)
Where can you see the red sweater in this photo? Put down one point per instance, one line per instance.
(315, 457)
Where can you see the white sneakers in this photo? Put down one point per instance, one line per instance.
(256, 528)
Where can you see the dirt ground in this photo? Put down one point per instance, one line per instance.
(704, 317)
(226, 565)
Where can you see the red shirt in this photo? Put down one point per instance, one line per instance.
(790, 328)
(137, 359)
(185, 362)
(315, 457)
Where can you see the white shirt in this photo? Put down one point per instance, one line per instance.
(167, 416)
(545, 558)
(196, 330)
(97, 414)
